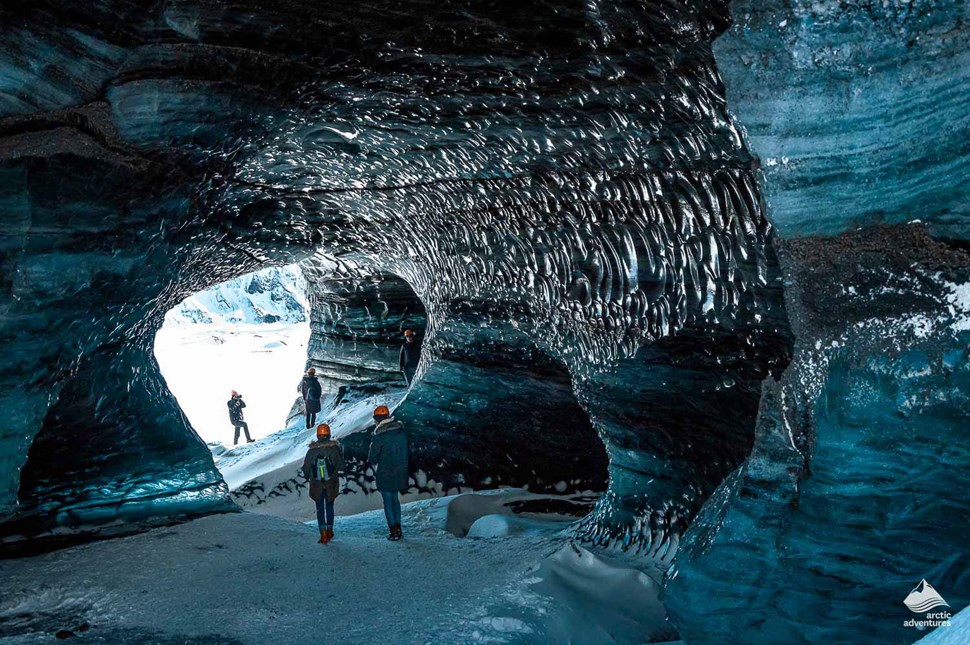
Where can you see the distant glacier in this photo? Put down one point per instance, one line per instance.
(274, 295)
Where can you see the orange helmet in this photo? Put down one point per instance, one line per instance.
(323, 430)
(382, 411)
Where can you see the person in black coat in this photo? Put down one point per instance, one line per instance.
(311, 392)
(388, 456)
(410, 355)
(236, 405)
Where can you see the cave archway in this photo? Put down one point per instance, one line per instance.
(489, 409)
(597, 213)
(115, 445)
(249, 335)
(493, 410)
(357, 321)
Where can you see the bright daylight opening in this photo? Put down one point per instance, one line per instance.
(247, 335)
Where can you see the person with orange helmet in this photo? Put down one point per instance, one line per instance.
(388, 455)
(322, 465)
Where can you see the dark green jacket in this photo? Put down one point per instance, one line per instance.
(389, 455)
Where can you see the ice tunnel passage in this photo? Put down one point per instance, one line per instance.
(567, 180)
(562, 184)
(487, 409)
(357, 320)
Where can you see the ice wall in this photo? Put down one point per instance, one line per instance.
(856, 109)
(561, 173)
(357, 323)
(87, 278)
(854, 490)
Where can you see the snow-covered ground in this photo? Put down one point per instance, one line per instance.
(247, 578)
(288, 446)
(203, 363)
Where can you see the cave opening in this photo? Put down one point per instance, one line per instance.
(357, 323)
(255, 336)
(247, 335)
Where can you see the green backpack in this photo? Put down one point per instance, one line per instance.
(325, 470)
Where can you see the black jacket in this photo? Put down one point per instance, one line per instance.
(235, 405)
(410, 355)
(388, 455)
(311, 392)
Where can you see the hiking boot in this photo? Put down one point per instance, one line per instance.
(329, 534)
(323, 537)
(400, 533)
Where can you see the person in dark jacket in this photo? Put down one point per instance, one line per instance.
(321, 466)
(311, 392)
(236, 405)
(388, 456)
(410, 356)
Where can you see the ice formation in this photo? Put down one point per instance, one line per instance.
(570, 204)
(558, 195)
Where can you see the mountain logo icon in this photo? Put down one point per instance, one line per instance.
(924, 598)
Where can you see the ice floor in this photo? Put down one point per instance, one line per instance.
(247, 578)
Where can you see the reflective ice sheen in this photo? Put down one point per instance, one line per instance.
(563, 189)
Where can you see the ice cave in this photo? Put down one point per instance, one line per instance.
(690, 279)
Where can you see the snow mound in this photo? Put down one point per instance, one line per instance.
(491, 526)
(606, 601)
(509, 511)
